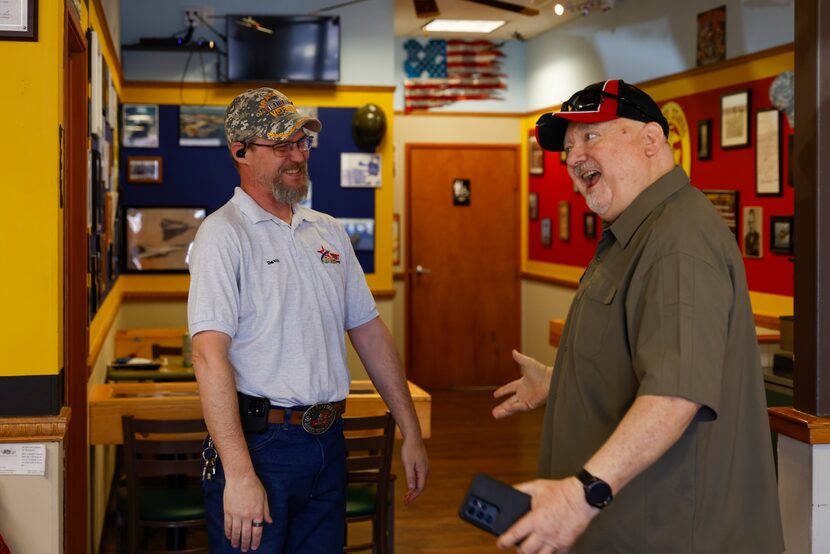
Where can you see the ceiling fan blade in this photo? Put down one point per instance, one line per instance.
(426, 8)
(524, 10)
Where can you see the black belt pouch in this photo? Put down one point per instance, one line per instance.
(253, 413)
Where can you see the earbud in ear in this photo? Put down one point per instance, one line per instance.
(240, 153)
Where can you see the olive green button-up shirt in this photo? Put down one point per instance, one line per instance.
(663, 309)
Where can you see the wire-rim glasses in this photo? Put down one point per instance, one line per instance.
(284, 148)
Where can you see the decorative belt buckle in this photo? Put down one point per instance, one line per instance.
(319, 418)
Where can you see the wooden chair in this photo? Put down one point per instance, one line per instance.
(163, 467)
(160, 350)
(369, 445)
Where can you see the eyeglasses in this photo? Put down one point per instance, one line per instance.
(284, 149)
(590, 100)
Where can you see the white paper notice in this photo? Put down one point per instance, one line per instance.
(22, 459)
(13, 15)
(360, 170)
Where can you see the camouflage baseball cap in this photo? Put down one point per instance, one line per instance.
(264, 113)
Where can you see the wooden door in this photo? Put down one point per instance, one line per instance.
(463, 304)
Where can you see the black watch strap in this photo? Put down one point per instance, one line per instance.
(597, 492)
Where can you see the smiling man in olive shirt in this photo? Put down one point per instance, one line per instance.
(656, 436)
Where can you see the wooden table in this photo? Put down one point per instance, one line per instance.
(170, 370)
(109, 402)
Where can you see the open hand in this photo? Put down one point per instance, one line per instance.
(528, 392)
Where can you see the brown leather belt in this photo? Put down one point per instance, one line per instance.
(315, 419)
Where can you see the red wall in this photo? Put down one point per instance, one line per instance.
(727, 169)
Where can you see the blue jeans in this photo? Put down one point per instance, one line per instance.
(304, 477)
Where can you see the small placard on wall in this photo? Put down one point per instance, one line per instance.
(22, 459)
(360, 170)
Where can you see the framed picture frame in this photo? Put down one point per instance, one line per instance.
(546, 231)
(18, 20)
(532, 206)
(157, 239)
(144, 169)
(361, 232)
(201, 126)
(768, 152)
(589, 225)
(726, 204)
(396, 239)
(704, 139)
(711, 36)
(564, 221)
(734, 120)
(753, 232)
(536, 157)
(790, 159)
(140, 126)
(563, 157)
(781, 234)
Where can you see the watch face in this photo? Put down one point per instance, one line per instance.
(598, 494)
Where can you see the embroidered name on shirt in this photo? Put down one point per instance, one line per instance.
(328, 257)
(272, 262)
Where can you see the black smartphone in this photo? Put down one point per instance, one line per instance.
(492, 505)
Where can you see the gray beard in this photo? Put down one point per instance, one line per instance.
(289, 195)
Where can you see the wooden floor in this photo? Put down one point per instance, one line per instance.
(465, 440)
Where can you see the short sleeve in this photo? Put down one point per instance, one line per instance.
(678, 328)
(213, 303)
(360, 304)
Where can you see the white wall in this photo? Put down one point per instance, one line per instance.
(366, 39)
(641, 40)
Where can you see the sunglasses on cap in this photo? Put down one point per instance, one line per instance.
(590, 101)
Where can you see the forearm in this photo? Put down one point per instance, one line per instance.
(652, 425)
(376, 349)
(217, 391)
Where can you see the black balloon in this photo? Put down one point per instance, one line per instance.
(368, 126)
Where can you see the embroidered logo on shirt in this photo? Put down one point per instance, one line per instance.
(328, 257)
(272, 262)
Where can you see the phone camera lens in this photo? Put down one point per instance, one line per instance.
(480, 514)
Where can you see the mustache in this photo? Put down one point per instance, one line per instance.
(582, 168)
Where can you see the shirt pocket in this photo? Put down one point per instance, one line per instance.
(594, 314)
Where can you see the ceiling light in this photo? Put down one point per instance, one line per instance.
(559, 9)
(462, 26)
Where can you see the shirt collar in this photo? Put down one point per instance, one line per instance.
(655, 194)
(257, 213)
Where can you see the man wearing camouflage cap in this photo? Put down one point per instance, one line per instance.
(273, 286)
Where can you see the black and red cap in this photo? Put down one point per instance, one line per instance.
(601, 101)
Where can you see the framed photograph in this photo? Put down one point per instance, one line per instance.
(768, 152)
(589, 225)
(533, 206)
(361, 232)
(790, 159)
(359, 170)
(546, 231)
(726, 204)
(144, 169)
(704, 139)
(564, 221)
(711, 36)
(734, 120)
(461, 192)
(536, 160)
(140, 126)
(752, 232)
(396, 239)
(202, 126)
(18, 20)
(158, 239)
(781, 234)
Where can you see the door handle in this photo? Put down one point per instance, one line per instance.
(421, 270)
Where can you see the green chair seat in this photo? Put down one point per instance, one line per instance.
(163, 503)
(360, 500)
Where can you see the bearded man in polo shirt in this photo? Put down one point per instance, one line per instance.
(273, 288)
(656, 436)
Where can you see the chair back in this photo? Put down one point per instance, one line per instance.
(370, 442)
(159, 350)
(163, 465)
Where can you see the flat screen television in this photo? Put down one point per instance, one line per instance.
(283, 48)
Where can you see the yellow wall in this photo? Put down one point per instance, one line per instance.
(31, 109)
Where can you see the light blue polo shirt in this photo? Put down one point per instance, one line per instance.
(284, 293)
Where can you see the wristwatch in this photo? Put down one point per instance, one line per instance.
(597, 492)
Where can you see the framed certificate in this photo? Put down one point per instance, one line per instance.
(18, 20)
(768, 152)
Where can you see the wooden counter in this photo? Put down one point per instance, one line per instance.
(109, 402)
